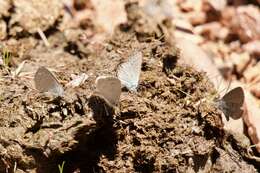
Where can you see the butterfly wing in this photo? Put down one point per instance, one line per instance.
(232, 102)
(45, 81)
(129, 72)
(109, 88)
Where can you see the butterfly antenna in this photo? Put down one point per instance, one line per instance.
(226, 89)
(219, 80)
(222, 90)
(229, 84)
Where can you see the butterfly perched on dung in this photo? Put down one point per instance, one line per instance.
(231, 104)
(129, 72)
(109, 88)
(45, 81)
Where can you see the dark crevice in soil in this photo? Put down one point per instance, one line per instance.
(36, 127)
(73, 49)
(85, 157)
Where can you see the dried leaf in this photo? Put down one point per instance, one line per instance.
(77, 80)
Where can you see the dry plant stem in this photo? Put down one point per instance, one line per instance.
(43, 37)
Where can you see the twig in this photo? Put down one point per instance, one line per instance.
(43, 37)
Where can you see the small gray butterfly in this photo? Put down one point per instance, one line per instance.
(129, 72)
(45, 81)
(231, 103)
(109, 88)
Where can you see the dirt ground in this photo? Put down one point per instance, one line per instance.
(164, 127)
